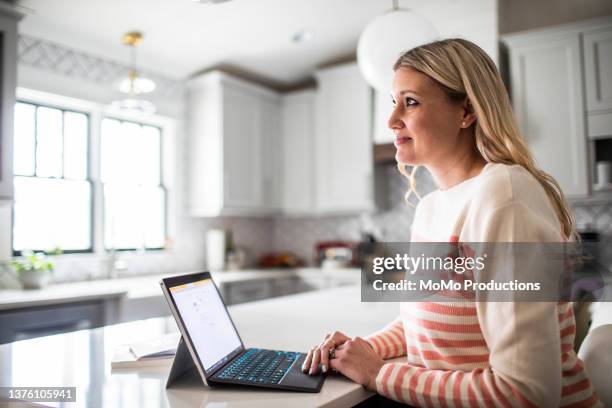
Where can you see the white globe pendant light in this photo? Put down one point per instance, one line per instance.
(385, 38)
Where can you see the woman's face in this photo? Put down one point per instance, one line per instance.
(425, 121)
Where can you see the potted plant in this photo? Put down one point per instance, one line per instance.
(33, 269)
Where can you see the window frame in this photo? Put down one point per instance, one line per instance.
(88, 170)
(96, 112)
(162, 184)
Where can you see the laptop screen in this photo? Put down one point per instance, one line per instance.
(206, 320)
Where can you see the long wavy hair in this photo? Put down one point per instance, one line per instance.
(463, 69)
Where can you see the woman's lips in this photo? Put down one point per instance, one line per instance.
(402, 139)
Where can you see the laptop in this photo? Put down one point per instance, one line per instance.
(211, 344)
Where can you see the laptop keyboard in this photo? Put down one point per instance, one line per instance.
(259, 366)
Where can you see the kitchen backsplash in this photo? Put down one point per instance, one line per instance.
(299, 235)
(390, 223)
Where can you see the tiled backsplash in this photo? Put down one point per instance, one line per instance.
(299, 235)
(389, 223)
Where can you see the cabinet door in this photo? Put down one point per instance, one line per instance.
(242, 169)
(204, 147)
(271, 150)
(297, 158)
(598, 69)
(548, 100)
(8, 77)
(343, 143)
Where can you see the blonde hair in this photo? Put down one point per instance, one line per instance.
(463, 70)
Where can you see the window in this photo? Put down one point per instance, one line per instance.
(68, 163)
(53, 192)
(134, 195)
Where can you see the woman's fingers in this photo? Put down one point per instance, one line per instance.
(308, 360)
(320, 354)
(314, 364)
(326, 347)
(339, 338)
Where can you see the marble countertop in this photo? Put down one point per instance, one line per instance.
(144, 286)
(82, 359)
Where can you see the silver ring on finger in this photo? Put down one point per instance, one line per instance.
(332, 353)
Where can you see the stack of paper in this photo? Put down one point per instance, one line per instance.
(154, 352)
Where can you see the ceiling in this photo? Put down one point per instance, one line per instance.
(183, 37)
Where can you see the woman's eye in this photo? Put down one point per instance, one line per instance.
(411, 102)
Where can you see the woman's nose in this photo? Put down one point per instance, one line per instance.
(394, 121)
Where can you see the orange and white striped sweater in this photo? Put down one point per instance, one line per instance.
(485, 354)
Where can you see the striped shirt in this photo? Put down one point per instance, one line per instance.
(485, 354)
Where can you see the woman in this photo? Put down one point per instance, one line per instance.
(452, 115)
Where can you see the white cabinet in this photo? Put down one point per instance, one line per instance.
(254, 152)
(242, 148)
(343, 142)
(232, 139)
(546, 80)
(8, 77)
(297, 130)
(598, 70)
(272, 153)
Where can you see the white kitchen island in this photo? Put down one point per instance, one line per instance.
(83, 359)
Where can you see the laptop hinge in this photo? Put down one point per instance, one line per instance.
(212, 373)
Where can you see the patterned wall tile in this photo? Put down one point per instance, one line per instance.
(390, 223)
(62, 60)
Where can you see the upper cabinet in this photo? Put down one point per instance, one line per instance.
(548, 102)
(8, 75)
(343, 142)
(548, 72)
(232, 146)
(253, 152)
(297, 130)
(598, 69)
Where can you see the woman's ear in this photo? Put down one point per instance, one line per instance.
(468, 116)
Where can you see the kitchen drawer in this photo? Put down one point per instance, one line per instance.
(293, 284)
(143, 308)
(42, 321)
(241, 292)
(599, 124)
(285, 286)
(351, 280)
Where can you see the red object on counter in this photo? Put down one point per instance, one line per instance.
(280, 260)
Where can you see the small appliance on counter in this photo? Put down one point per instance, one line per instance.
(336, 254)
(590, 242)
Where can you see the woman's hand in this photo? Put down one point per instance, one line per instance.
(354, 358)
(320, 353)
(357, 360)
